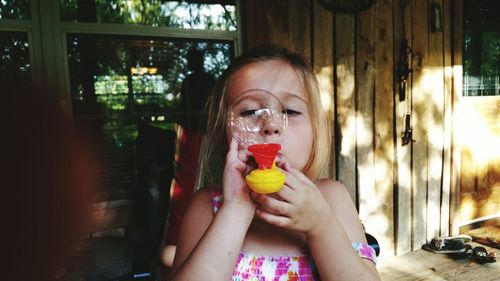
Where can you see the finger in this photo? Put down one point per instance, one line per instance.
(280, 162)
(243, 155)
(290, 169)
(271, 204)
(233, 157)
(295, 178)
(285, 194)
(233, 147)
(232, 153)
(279, 221)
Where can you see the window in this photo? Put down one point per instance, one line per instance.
(177, 14)
(115, 64)
(118, 82)
(126, 61)
(19, 9)
(15, 58)
(481, 48)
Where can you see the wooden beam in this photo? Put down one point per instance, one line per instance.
(402, 19)
(457, 71)
(446, 180)
(434, 90)
(322, 59)
(365, 96)
(345, 100)
(419, 104)
(383, 216)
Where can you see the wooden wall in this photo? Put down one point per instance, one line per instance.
(402, 192)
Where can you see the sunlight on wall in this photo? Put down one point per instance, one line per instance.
(349, 136)
(345, 92)
(364, 134)
(480, 205)
(476, 136)
(325, 79)
(468, 208)
(377, 225)
(435, 87)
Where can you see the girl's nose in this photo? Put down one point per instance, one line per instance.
(269, 132)
(270, 129)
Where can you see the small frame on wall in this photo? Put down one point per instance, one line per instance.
(436, 17)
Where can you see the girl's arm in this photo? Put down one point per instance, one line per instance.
(207, 249)
(331, 242)
(326, 215)
(209, 245)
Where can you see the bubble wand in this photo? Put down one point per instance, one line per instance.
(252, 116)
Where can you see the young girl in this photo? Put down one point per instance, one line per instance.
(309, 230)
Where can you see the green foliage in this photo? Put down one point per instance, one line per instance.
(17, 9)
(14, 56)
(179, 14)
(490, 55)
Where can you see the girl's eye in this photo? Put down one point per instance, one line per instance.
(292, 112)
(247, 113)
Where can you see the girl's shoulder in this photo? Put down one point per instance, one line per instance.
(343, 206)
(207, 198)
(201, 203)
(332, 189)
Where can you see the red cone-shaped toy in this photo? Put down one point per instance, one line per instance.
(267, 178)
(264, 154)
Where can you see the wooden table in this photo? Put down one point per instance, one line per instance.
(424, 265)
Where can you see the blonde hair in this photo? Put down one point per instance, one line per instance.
(215, 146)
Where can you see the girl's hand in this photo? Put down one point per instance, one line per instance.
(234, 186)
(298, 206)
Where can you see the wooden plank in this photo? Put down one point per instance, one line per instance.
(434, 90)
(480, 157)
(267, 22)
(299, 27)
(484, 145)
(254, 27)
(323, 67)
(345, 99)
(402, 19)
(365, 96)
(468, 171)
(420, 124)
(277, 22)
(446, 180)
(423, 265)
(456, 95)
(383, 126)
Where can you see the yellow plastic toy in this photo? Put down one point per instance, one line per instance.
(267, 178)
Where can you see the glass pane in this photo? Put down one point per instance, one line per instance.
(15, 9)
(118, 83)
(15, 58)
(180, 14)
(481, 48)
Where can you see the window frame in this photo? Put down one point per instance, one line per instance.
(31, 27)
(47, 39)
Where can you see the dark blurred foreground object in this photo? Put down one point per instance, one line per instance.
(137, 256)
(46, 177)
(372, 241)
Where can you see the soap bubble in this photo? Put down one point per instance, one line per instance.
(257, 116)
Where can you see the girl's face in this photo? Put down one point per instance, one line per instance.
(281, 79)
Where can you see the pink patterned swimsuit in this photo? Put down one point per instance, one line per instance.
(298, 267)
